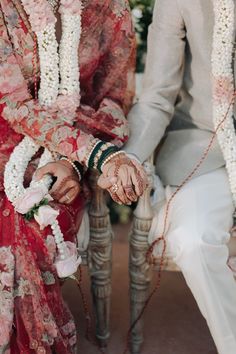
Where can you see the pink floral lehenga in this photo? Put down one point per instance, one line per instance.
(33, 316)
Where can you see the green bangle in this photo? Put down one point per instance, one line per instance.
(105, 154)
(93, 154)
(79, 166)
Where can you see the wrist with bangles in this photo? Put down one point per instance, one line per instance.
(76, 166)
(99, 153)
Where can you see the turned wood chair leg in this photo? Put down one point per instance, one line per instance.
(139, 270)
(99, 260)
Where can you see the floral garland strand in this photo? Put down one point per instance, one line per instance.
(223, 85)
(69, 63)
(33, 200)
(49, 74)
(42, 21)
(53, 66)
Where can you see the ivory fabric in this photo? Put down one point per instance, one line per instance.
(177, 91)
(197, 236)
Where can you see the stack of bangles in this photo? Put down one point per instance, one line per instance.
(100, 153)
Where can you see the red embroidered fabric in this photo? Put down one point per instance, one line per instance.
(106, 56)
(33, 316)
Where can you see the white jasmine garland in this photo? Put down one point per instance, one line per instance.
(69, 64)
(54, 4)
(49, 74)
(14, 178)
(59, 73)
(15, 169)
(17, 194)
(65, 65)
(223, 84)
(53, 67)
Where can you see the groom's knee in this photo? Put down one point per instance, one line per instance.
(190, 246)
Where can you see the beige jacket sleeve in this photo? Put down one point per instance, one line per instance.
(163, 77)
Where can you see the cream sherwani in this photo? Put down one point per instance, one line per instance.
(177, 99)
(177, 90)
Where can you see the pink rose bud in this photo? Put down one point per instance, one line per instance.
(45, 216)
(69, 265)
(29, 199)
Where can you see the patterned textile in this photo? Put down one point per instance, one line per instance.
(33, 317)
(106, 55)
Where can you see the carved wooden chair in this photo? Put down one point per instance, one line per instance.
(139, 268)
(98, 257)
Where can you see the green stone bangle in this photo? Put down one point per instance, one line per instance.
(105, 154)
(79, 166)
(93, 154)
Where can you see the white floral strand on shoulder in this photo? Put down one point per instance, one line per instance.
(54, 66)
(71, 33)
(42, 21)
(223, 84)
(49, 74)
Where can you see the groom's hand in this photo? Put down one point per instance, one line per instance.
(125, 179)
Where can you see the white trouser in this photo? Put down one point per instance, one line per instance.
(199, 221)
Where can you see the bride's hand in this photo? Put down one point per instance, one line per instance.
(125, 179)
(67, 186)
